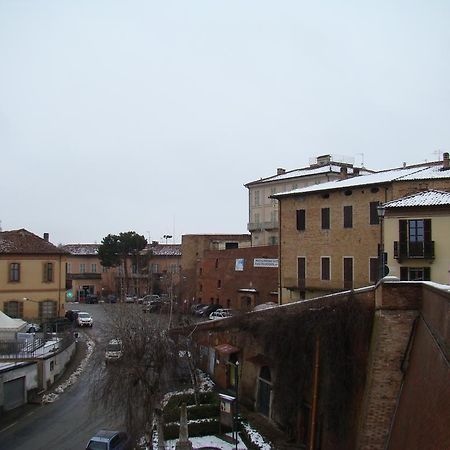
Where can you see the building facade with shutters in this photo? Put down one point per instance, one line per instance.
(417, 236)
(32, 276)
(263, 208)
(330, 233)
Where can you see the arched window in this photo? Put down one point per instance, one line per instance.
(47, 309)
(14, 309)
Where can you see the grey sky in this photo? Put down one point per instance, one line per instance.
(150, 116)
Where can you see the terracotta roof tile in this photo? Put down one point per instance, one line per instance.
(23, 242)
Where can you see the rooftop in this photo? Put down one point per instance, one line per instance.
(425, 198)
(82, 249)
(24, 242)
(422, 172)
(164, 249)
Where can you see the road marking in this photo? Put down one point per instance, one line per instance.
(9, 426)
(29, 414)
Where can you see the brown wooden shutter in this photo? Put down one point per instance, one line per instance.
(427, 230)
(403, 238)
(301, 219)
(403, 273)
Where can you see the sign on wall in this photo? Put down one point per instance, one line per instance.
(239, 266)
(265, 262)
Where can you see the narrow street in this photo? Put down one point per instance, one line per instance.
(69, 422)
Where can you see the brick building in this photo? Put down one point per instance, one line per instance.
(239, 278)
(330, 233)
(193, 248)
(263, 210)
(364, 370)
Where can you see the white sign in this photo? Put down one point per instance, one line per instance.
(239, 266)
(265, 262)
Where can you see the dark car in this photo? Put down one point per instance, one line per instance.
(57, 325)
(72, 314)
(92, 299)
(209, 309)
(109, 440)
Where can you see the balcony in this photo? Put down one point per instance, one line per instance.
(84, 276)
(262, 226)
(414, 250)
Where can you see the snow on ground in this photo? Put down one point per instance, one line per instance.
(256, 438)
(209, 441)
(52, 396)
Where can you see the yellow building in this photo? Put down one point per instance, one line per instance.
(32, 276)
(417, 236)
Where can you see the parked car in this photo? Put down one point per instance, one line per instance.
(84, 319)
(266, 305)
(72, 314)
(205, 312)
(109, 440)
(130, 299)
(92, 299)
(200, 310)
(113, 350)
(57, 324)
(111, 298)
(152, 305)
(196, 306)
(220, 314)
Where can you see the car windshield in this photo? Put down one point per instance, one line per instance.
(95, 445)
(84, 315)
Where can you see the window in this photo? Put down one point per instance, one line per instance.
(200, 287)
(274, 217)
(325, 218)
(414, 239)
(374, 269)
(348, 216)
(47, 309)
(155, 268)
(415, 273)
(13, 309)
(256, 201)
(68, 268)
(229, 245)
(93, 268)
(374, 220)
(348, 273)
(47, 275)
(256, 218)
(104, 269)
(82, 268)
(325, 268)
(219, 284)
(134, 268)
(217, 263)
(301, 272)
(14, 272)
(301, 219)
(273, 240)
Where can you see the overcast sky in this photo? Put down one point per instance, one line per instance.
(150, 116)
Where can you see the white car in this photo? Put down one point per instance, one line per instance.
(220, 314)
(113, 350)
(84, 319)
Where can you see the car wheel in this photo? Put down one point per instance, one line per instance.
(32, 330)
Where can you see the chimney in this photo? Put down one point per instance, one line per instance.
(355, 171)
(281, 171)
(445, 161)
(343, 172)
(46, 237)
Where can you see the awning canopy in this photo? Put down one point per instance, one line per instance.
(226, 349)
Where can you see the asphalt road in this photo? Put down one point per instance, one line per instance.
(69, 422)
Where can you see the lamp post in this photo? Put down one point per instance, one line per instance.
(381, 211)
(236, 409)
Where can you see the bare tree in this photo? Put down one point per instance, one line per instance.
(134, 384)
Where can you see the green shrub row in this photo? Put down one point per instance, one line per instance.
(204, 398)
(172, 430)
(193, 412)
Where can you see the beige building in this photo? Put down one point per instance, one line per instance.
(417, 236)
(263, 208)
(32, 276)
(330, 233)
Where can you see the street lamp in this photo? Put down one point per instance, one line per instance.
(381, 210)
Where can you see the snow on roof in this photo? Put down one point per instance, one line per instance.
(82, 249)
(8, 323)
(426, 198)
(165, 249)
(402, 174)
(306, 172)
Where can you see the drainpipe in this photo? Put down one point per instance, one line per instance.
(280, 299)
(312, 432)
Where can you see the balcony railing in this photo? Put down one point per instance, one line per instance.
(261, 226)
(411, 250)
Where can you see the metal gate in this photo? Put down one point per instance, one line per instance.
(14, 393)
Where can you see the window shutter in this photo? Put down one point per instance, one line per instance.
(427, 230)
(403, 230)
(301, 219)
(44, 272)
(427, 273)
(403, 273)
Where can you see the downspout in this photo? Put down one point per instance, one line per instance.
(59, 285)
(312, 432)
